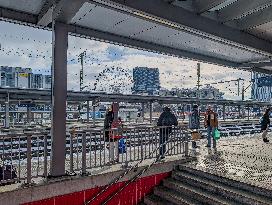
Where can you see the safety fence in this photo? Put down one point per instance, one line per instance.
(26, 156)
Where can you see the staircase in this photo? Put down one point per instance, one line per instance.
(191, 186)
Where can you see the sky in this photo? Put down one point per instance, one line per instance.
(23, 46)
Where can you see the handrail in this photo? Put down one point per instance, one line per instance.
(130, 169)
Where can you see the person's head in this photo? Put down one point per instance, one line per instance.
(166, 109)
(209, 108)
(195, 107)
(119, 119)
(267, 111)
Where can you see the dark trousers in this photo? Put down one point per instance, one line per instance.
(164, 135)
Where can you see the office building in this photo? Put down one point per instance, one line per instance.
(261, 87)
(17, 77)
(146, 80)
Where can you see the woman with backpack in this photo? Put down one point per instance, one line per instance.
(265, 122)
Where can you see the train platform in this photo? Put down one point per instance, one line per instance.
(242, 158)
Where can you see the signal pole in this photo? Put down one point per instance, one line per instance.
(81, 58)
(198, 80)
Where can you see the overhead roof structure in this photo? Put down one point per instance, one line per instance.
(16, 95)
(235, 33)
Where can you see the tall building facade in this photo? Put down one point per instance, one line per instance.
(17, 77)
(146, 80)
(261, 87)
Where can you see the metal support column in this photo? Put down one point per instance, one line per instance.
(59, 97)
(88, 111)
(28, 114)
(150, 112)
(239, 111)
(93, 115)
(142, 115)
(224, 111)
(248, 109)
(7, 113)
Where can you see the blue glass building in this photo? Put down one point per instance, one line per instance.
(146, 80)
(261, 87)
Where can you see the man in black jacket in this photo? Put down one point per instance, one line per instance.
(107, 123)
(265, 122)
(166, 120)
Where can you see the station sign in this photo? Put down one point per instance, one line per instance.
(23, 75)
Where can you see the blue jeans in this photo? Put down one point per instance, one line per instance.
(210, 134)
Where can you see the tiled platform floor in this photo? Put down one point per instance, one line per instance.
(247, 159)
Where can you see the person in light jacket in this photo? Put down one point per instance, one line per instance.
(211, 123)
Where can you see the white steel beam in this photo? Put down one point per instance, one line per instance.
(138, 44)
(64, 11)
(205, 5)
(16, 16)
(161, 11)
(257, 64)
(45, 15)
(241, 8)
(256, 19)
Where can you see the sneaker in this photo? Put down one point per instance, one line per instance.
(265, 140)
(208, 146)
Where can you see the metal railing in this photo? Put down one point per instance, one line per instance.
(91, 148)
(164, 134)
(25, 156)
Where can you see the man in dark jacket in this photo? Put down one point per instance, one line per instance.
(194, 122)
(166, 120)
(107, 123)
(265, 122)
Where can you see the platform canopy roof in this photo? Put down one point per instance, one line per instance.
(235, 33)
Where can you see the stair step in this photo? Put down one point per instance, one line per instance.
(229, 182)
(196, 193)
(174, 197)
(222, 189)
(156, 200)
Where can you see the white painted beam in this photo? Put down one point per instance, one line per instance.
(241, 8)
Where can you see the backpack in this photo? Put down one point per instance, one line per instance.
(168, 121)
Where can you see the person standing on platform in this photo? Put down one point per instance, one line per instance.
(265, 122)
(107, 123)
(166, 120)
(211, 123)
(194, 122)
